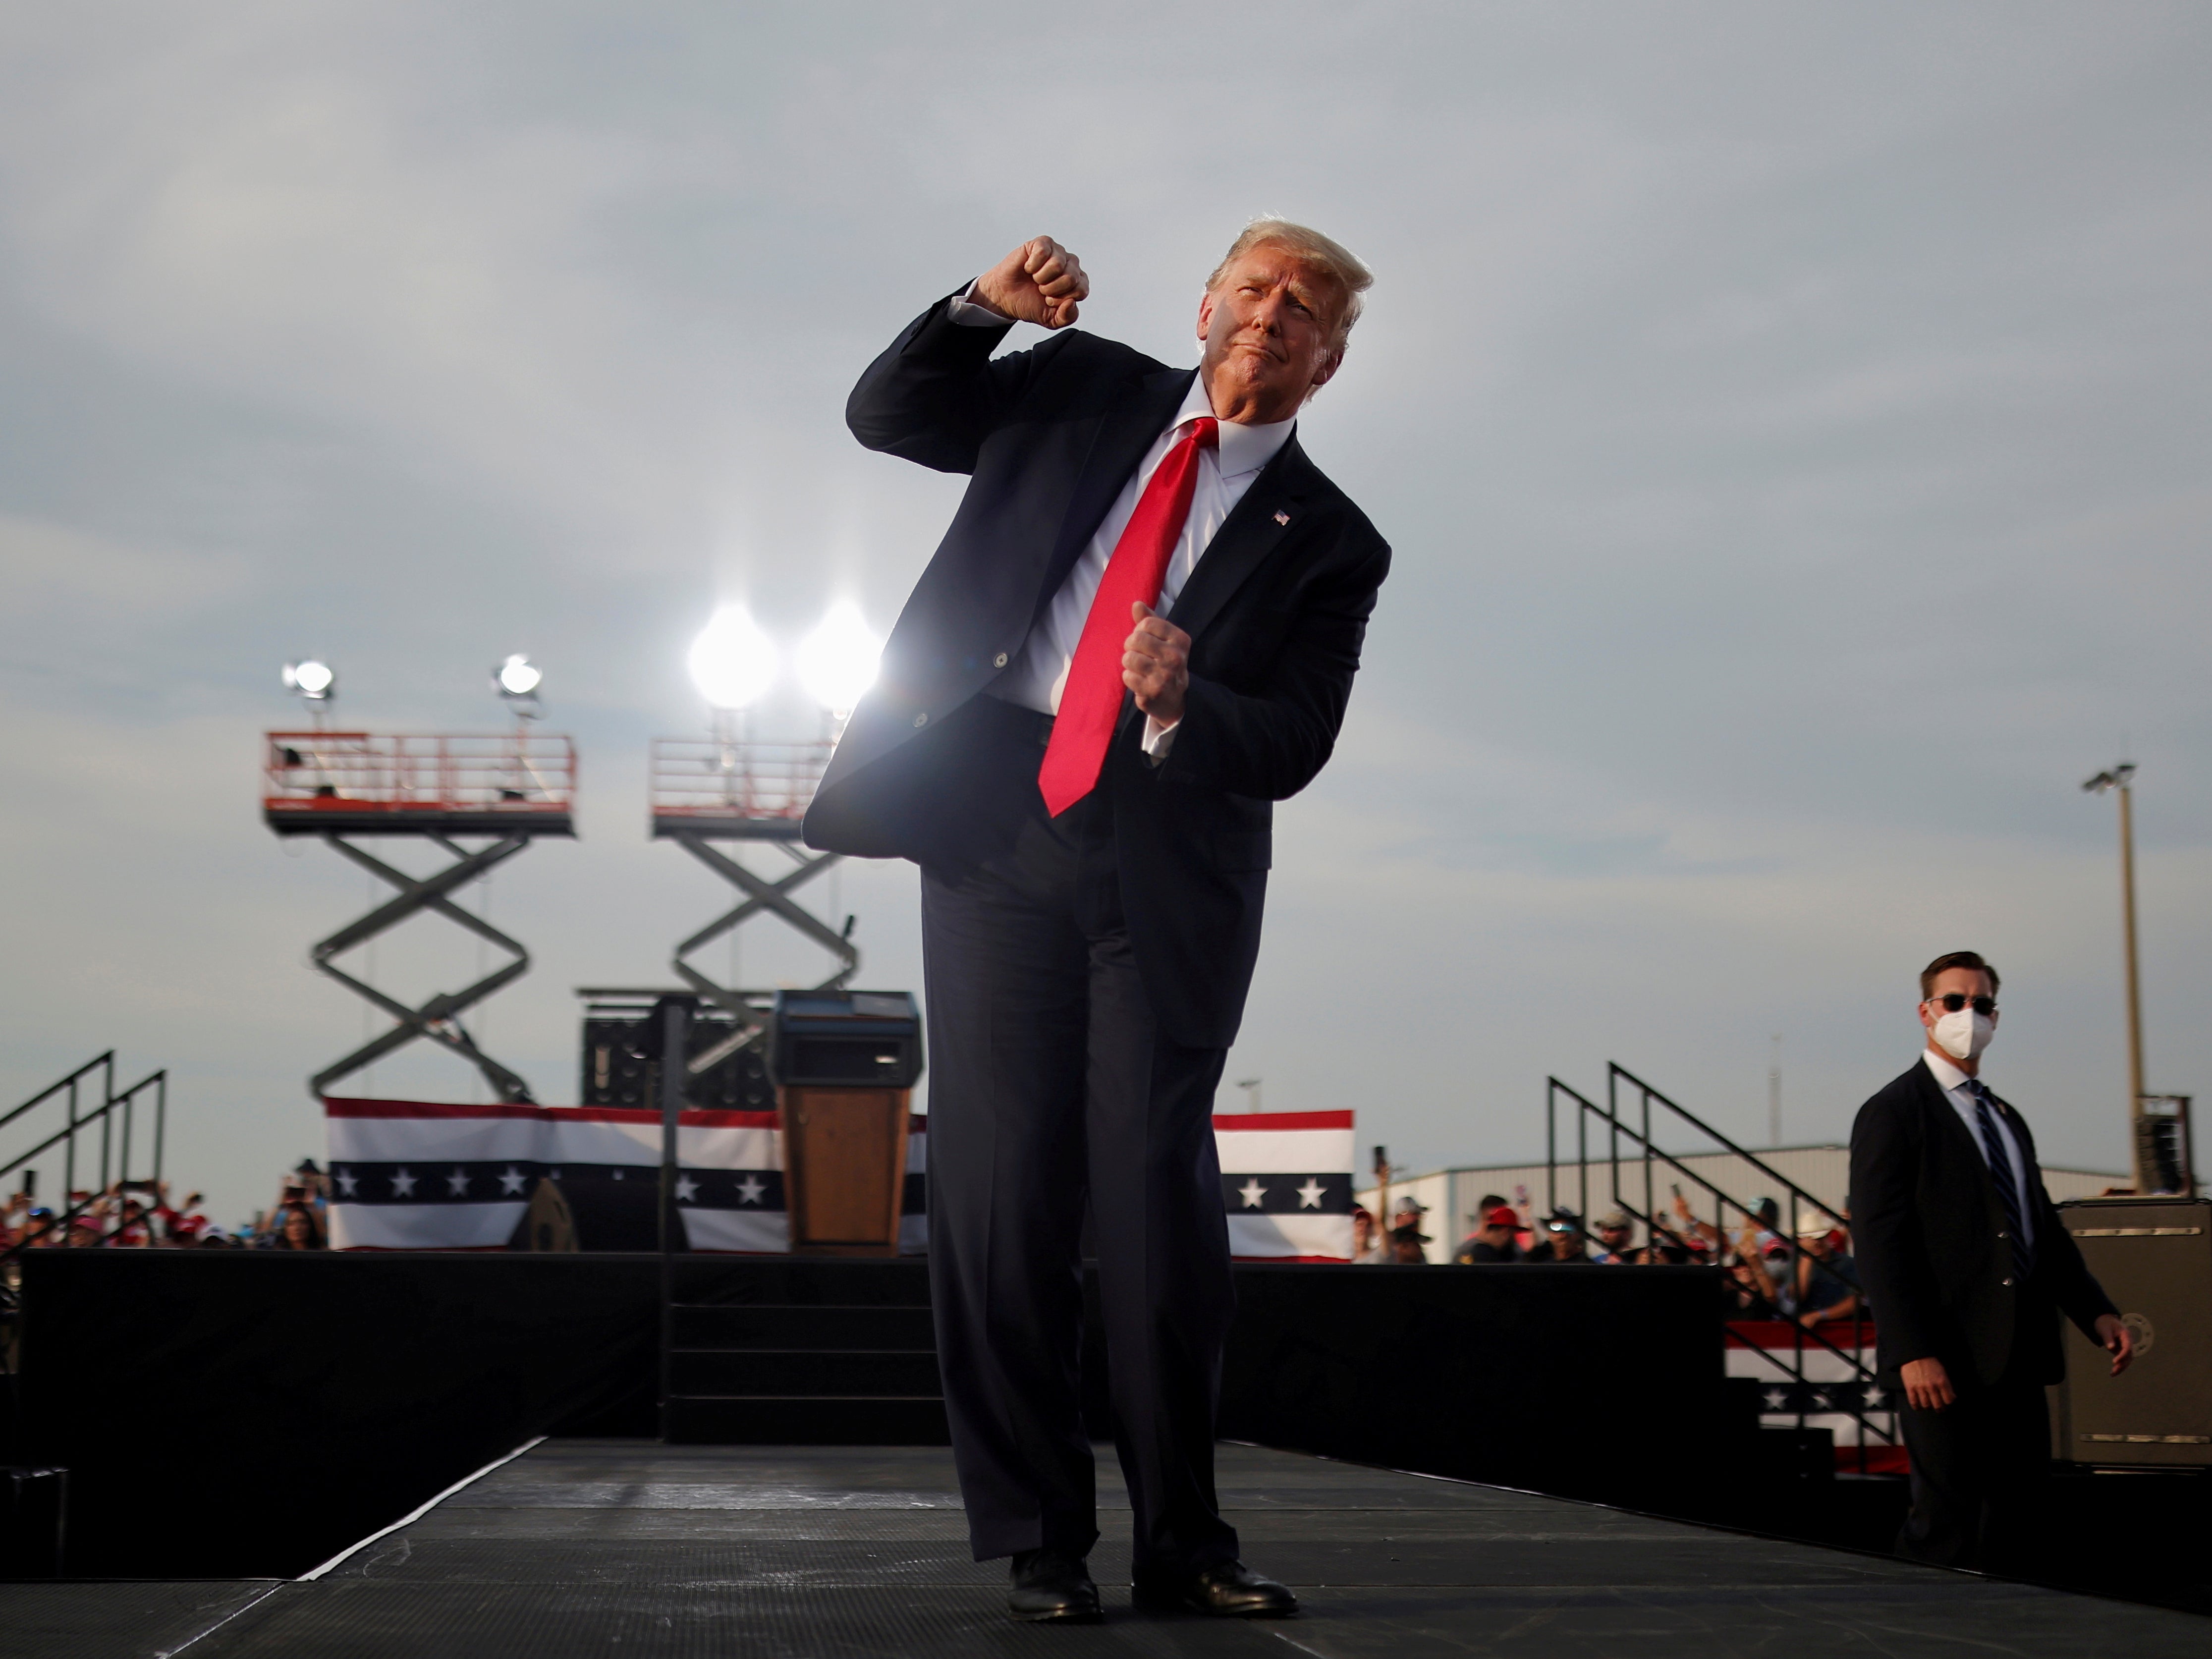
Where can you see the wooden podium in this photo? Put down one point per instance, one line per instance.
(844, 1167)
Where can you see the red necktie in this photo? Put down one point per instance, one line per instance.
(1092, 699)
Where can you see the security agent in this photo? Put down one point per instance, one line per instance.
(1968, 1267)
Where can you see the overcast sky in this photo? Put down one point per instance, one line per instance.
(1791, 424)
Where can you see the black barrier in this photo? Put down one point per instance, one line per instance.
(1582, 1382)
(289, 1405)
(228, 1414)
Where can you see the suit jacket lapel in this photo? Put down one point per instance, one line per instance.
(1245, 539)
(1124, 432)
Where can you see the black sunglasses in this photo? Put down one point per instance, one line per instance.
(1955, 1000)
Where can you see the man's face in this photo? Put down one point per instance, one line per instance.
(1614, 1238)
(1267, 327)
(1499, 1236)
(1968, 982)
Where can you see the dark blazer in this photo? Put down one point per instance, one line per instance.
(1927, 1227)
(1276, 609)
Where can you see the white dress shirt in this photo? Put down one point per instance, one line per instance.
(1952, 1082)
(1038, 673)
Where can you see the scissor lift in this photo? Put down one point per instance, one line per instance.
(726, 789)
(339, 786)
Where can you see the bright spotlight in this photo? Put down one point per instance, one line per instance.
(732, 661)
(517, 676)
(837, 660)
(314, 680)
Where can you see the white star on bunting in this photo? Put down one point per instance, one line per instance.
(1310, 1194)
(458, 1184)
(1252, 1192)
(686, 1188)
(346, 1184)
(511, 1181)
(750, 1190)
(403, 1184)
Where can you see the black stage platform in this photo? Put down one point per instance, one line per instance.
(634, 1548)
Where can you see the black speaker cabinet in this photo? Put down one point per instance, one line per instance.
(2153, 1257)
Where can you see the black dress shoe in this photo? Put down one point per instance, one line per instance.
(1227, 1590)
(1052, 1587)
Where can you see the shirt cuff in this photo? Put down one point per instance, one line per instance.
(1159, 740)
(970, 313)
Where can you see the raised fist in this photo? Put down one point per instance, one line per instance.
(1040, 282)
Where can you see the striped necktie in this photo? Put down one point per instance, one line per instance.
(2002, 1172)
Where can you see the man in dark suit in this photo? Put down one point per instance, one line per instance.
(1139, 632)
(1968, 1267)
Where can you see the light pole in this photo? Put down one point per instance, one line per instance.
(2119, 778)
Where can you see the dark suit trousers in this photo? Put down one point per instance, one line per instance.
(1979, 1469)
(1050, 1082)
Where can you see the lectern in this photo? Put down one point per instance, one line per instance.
(844, 1064)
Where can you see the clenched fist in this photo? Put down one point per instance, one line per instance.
(1040, 282)
(1155, 664)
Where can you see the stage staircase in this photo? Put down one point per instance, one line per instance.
(801, 1352)
(1617, 1162)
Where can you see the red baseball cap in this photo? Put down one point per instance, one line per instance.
(1501, 1217)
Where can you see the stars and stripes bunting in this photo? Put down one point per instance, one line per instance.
(416, 1175)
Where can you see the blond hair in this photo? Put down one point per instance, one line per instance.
(1335, 262)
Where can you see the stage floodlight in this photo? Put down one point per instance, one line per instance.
(517, 680)
(837, 660)
(732, 661)
(315, 681)
(517, 676)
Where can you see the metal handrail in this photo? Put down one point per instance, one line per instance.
(112, 1106)
(1652, 1154)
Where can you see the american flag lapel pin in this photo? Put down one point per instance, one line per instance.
(1282, 518)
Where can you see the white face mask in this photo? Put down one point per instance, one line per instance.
(1964, 1035)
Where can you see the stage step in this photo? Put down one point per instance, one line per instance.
(804, 1350)
(822, 1329)
(784, 1420)
(835, 1375)
(802, 1282)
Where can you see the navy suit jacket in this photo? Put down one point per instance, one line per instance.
(1276, 609)
(1928, 1229)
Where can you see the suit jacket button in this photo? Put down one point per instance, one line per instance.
(998, 661)
(2008, 1284)
(920, 721)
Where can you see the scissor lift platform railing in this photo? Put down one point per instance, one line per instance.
(507, 788)
(359, 783)
(728, 790)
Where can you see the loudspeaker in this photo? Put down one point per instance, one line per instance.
(2153, 1257)
(846, 1040)
(614, 1072)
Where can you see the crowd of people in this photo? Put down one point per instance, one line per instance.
(139, 1215)
(1810, 1277)
(1814, 1283)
